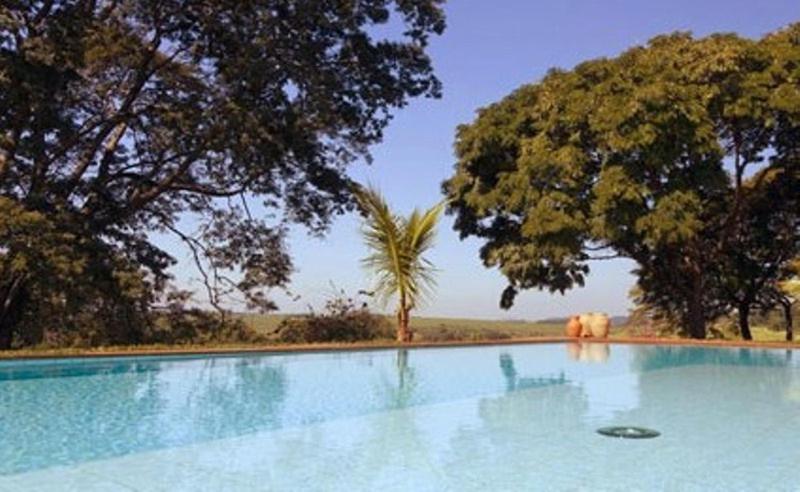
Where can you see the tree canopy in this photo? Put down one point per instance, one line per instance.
(676, 154)
(118, 118)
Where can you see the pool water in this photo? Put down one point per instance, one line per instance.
(510, 417)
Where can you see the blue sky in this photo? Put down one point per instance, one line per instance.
(489, 49)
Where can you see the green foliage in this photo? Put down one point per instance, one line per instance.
(127, 118)
(642, 156)
(178, 325)
(397, 245)
(341, 321)
(63, 287)
(646, 320)
(444, 333)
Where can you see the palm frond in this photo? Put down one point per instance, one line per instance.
(397, 245)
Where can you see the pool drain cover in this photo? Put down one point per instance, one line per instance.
(628, 432)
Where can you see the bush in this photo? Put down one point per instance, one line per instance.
(96, 323)
(340, 321)
(774, 320)
(446, 334)
(177, 324)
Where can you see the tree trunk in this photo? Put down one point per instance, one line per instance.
(404, 333)
(696, 316)
(401, 327)
(787, 316)
(13, 297)
(744, 320)
(6, 331)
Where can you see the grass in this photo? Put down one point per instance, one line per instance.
(442, 329)
(447, 329)
(763, 334)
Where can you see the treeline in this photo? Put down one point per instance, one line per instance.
(682, 155)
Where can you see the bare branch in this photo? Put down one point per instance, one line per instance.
(123, 114)
(246, 207)
(604, 257)
(140, 198)
(198, 251)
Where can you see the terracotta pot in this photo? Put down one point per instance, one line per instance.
(585, 321)
(595, 325)
(573, 328)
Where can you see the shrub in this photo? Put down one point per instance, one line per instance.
(446, 334)
(177, 324)
(95, 323)
(341, 321)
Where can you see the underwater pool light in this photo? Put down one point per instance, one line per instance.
(628, 432)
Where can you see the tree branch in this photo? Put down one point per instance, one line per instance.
(7, 151)
(198, 250)
(207, 190)
(604, 257)
(139, 198)
(143, 74)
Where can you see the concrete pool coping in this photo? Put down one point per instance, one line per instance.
(365, 346)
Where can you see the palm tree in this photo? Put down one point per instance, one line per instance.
(397, 244)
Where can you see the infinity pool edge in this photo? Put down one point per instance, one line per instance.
(367, 346)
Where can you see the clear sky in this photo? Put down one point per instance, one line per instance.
(489, 49)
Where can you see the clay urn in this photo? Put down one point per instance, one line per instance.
(573, 328)
(595, 324)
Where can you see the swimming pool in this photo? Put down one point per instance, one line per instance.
(509, 417)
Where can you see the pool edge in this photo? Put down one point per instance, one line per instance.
(353, 347)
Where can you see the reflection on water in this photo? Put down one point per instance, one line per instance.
(650, 357)
(588, 351)
(243, 398)
(706, 402)
(514, 382)
(47, 369)
(400, 393)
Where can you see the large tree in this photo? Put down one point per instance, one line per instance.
(643, 156)
(784, 295)
(117, 118)
(759, 253)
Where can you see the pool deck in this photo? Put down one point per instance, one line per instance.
(334, 347)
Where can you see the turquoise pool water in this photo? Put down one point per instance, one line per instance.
(514, 417)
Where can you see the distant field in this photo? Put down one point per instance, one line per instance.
(450, 329)
(442, 329)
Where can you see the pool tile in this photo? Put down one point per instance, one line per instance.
(62, 480)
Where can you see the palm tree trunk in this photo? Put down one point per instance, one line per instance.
(401, 330)
(409, 333)
(404, 333)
